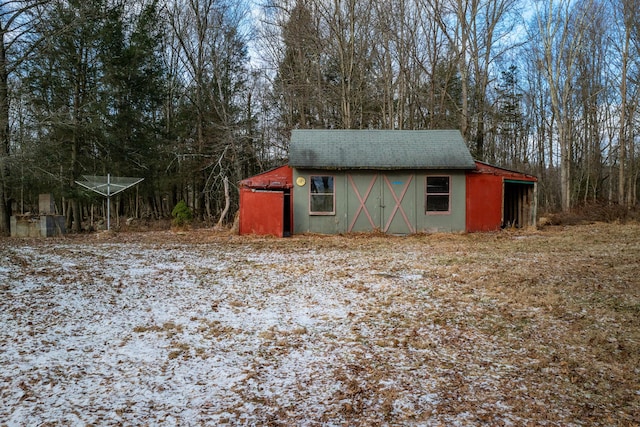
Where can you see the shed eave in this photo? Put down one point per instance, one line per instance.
(496, 169)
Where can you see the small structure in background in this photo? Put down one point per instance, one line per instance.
(45, 224)
(108, 186)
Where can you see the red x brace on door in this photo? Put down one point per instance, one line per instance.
(398, 206)
(362, 200)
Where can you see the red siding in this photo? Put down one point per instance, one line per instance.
(261, 212)
(262, 202)
(485, 196)
(484, 202)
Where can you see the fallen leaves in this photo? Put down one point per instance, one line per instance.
(510, 328)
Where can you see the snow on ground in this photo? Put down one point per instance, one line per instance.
(241, 333)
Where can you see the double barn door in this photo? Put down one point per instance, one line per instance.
(382, 201)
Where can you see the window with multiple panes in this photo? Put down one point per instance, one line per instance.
(437, 198)
(322, 195)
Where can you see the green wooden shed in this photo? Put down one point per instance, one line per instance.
(398, 182)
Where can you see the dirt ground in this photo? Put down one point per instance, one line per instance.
(533, 327)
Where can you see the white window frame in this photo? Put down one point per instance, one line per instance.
(333, 194)
(427, 194)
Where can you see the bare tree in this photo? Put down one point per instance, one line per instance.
(348, 23)
(590, 95)
(560, 29)
(476, 30)
(439, 64)
(627, 12)
(212, 57)
(402, 58)
(487, 29)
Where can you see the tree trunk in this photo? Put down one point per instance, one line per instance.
(227, 202)
(75, 167)
(622, 141)
(4, 138)
(565, 170)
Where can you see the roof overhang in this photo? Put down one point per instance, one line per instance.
(508, 174)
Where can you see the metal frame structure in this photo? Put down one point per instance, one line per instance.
(108, 186)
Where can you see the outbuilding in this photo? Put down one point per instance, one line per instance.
(265, 203)
(396, 182)
(499, 197)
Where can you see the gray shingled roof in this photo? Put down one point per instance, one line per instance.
(379, 149)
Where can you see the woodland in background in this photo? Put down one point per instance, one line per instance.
(190, 94)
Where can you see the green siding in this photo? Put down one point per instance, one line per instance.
(368, 216)
(399, 207)
(383, 211)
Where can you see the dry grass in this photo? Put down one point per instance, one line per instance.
(565, 306)
(535, 327)
(561, 307)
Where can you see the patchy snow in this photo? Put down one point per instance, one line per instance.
(244, 333)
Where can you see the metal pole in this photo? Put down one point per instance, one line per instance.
(108, 202)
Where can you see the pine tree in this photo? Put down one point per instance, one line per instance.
(132, 90)
(510, 147)
(63, 82)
